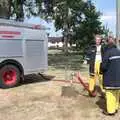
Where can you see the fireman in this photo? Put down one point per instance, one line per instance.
(94, 58)
(111, 77)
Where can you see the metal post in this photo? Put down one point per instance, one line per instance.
(118, 23)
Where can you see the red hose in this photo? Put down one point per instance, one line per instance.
(67, 81)
(85, 85)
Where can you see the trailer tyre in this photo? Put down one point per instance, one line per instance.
(9, 76)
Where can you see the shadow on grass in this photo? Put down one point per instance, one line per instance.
(101, 103)
(34, 78)
(101, 100)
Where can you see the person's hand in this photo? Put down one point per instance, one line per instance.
(85, 62)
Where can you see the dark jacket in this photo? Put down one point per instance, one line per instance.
(90, 57)
(111, 68)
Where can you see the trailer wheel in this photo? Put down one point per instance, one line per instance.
(9, 76)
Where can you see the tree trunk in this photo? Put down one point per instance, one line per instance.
(66, 34)
(66, 44)
(118, 23)
(20, 11)
(5, 8)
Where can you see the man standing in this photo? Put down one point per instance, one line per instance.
(94, 58)
(111, 76)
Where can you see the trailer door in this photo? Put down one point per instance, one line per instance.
(35, 50)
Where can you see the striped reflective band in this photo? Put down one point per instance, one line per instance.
(87, 58)
(114, 57)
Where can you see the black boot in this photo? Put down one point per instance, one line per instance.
(108, 114)
(93, 93)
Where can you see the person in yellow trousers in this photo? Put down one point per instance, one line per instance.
(94, 57)
(111, 77)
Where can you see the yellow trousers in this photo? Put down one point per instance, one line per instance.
(97, 76)
(112, 100)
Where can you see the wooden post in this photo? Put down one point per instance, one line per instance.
(118, 22)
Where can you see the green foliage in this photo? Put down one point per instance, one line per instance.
(78, 20)
(12, 8)
(5, 8)
(82, 21)
(88, 26)
(17, 9)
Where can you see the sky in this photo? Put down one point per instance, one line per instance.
(106, 7)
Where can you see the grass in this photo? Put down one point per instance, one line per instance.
(43, 101)
(62, 65)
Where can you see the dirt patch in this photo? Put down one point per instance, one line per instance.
(69, 91)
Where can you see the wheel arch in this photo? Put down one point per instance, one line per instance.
(13, 62)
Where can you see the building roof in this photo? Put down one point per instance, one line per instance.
(55, 39)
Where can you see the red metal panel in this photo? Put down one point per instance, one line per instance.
(7, 36)
(10, 32)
